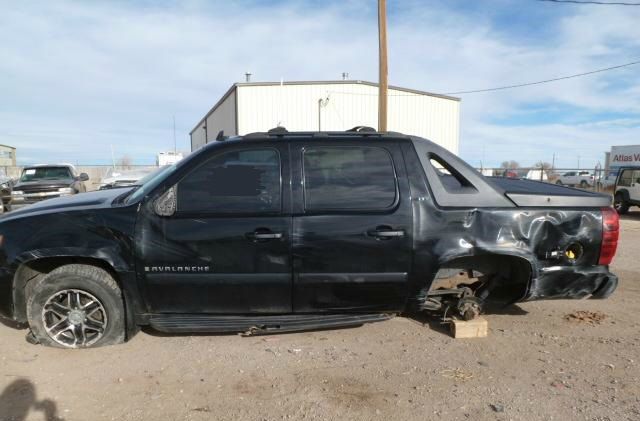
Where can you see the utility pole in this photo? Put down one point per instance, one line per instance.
(175, 144)
(383, 83)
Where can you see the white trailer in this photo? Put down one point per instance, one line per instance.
(168, 158)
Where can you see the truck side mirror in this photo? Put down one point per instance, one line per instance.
(84, 176)
(166, 204)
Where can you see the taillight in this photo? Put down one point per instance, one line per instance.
(610, 232)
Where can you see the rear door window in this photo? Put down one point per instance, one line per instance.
(348, 178)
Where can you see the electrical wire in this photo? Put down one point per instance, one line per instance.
(616, 3)
(545, 81)
(499, 88)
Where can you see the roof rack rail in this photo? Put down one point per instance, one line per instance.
(278, 130)
(221, 137)
(359, 129)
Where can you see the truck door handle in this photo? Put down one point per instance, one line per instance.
(263, 235)
(385, 233)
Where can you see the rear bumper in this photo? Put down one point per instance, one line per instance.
(572, 282)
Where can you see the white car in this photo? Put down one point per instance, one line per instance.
(576, 178)
(124, 178)
(609, 180)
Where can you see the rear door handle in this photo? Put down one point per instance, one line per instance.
(263, 235)
(267, 236)
(386, 233)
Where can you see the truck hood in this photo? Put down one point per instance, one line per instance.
(45, 185)
(82, 201)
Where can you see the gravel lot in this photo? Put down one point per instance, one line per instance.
(534, 365)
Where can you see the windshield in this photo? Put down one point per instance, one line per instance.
(148, 183)
(45, 173)
(149, 176)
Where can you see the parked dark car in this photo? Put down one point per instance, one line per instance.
(42, 182)
(279, 231)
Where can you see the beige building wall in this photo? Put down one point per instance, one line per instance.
(334, 106)
(7, 156)
(222, 117)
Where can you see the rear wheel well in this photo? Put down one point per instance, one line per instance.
(498, 278)
(37, 268)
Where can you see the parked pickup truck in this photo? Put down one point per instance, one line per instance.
(285, 231)
(576, 178)
(42, 182)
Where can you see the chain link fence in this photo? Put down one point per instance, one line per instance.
(596, 179)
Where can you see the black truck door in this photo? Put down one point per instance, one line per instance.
(352, 226)
(227, 247)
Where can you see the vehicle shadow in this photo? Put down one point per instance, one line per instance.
(631, 216)
(438, 323)
(19, 399)
(13, 324)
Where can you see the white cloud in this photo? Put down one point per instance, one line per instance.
(79, 76)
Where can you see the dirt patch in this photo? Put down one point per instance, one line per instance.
(588, 317)
(457, 374)
(538, 363)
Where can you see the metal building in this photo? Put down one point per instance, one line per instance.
(7, 156)
(328, 106)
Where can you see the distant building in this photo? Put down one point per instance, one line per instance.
(7, 156)
(328, 106)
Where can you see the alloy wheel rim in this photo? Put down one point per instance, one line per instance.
(74, 318)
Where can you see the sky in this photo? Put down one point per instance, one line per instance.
(79, 79)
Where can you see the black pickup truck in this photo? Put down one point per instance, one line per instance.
(42, 182)
(284, 231)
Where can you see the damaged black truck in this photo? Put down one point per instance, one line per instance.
(284, 231)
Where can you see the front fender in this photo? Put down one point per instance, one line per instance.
(108, 254)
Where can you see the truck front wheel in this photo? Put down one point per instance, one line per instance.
(76, 306)
(621, 205)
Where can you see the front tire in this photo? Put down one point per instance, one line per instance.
(559, 183)
(621, 206)
(76, 306)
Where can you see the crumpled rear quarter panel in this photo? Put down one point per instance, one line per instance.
(531, 234)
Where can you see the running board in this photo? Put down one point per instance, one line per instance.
(257, 325)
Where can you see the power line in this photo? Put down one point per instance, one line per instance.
(616, 3)
(499, 88)
(544, 81)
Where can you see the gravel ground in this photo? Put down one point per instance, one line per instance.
(535, 365)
